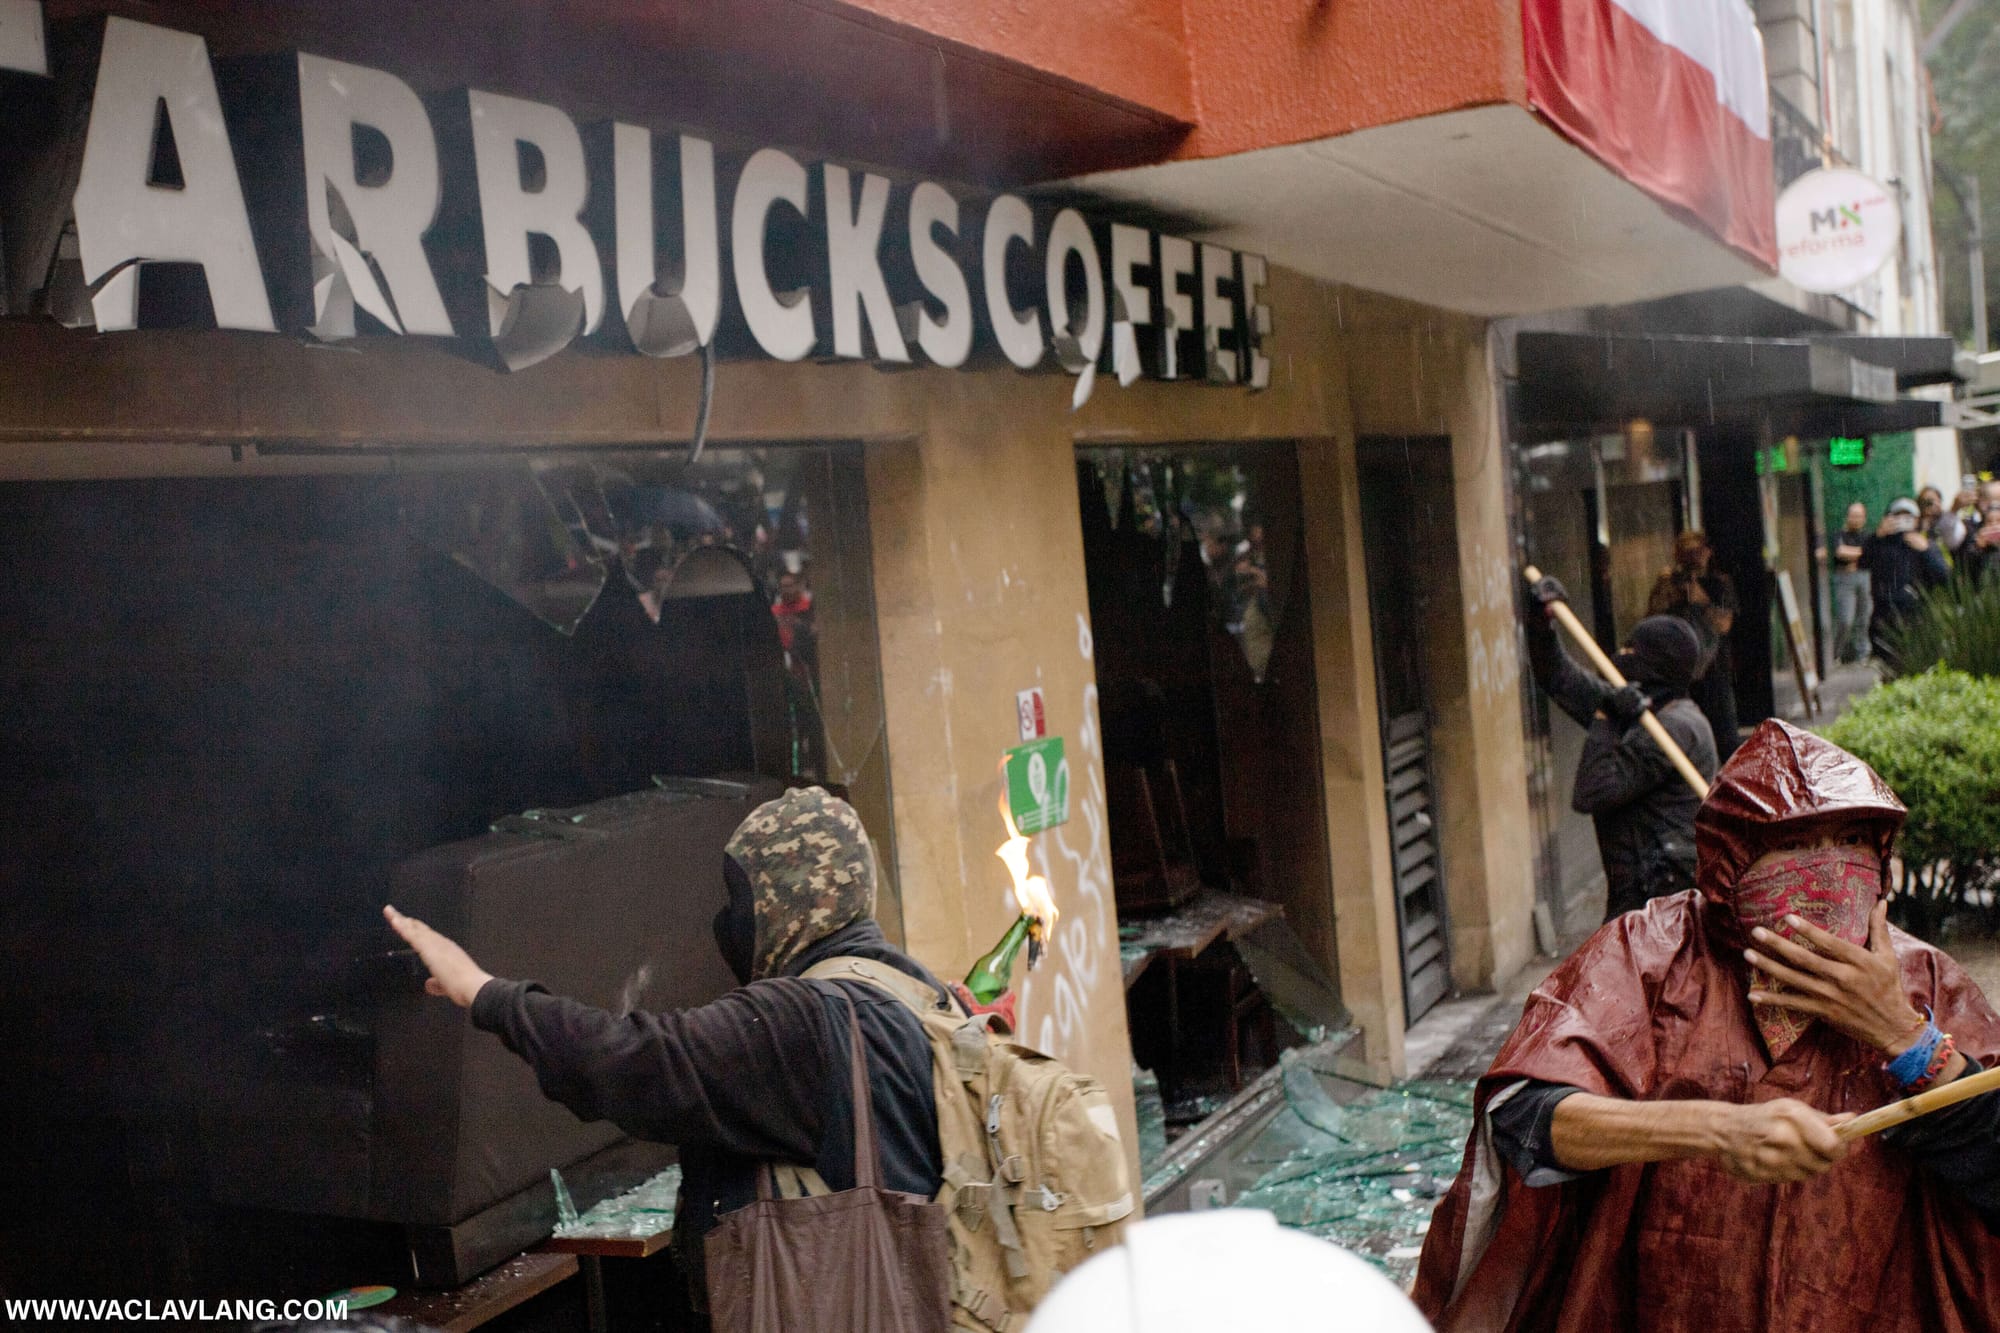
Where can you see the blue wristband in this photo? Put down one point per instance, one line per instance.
(1911, 1066)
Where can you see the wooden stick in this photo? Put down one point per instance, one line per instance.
(1900, 1113)
(1607, 669)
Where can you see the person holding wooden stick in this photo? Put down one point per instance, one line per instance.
(1679, 1135)
(1625, 781)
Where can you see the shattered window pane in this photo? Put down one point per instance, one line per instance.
(787, 525)
(500, 524)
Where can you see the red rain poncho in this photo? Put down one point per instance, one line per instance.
(1653, 1008)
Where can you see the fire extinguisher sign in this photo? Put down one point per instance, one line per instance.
(1034, 718)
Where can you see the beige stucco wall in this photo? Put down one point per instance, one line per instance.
(978, 568)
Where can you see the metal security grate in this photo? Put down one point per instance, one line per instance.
(1420, 911)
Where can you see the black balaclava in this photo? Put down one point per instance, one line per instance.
(736, 924)
(1662, 657)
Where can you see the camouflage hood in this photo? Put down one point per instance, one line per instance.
(811, 871)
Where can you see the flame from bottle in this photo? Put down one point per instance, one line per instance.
(1031, 891)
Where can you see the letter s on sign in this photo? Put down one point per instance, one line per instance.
(946, 342)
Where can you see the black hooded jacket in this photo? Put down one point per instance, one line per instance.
(1643, 810)
(761, 1074)
(758, 1075)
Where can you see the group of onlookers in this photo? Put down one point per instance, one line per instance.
(1878, 576)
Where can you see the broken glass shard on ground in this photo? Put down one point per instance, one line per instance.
(565, 1206)
(644, 1210)
(1364, 1174)
(1152, 1113)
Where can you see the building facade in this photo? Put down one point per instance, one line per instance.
(1715, 410)
(371, 366)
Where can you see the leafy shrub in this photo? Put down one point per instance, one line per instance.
(1956, 625)
(1935, 739)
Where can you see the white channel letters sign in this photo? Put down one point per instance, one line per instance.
(300, 194)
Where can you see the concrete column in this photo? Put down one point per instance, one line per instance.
(1488, 849)
(1357, 816)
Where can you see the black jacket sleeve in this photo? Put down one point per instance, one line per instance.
(1959, 1147)
(1611, 776)
(1521, 1130)
(1932, 563)
(1574, 690)
(739, 1074)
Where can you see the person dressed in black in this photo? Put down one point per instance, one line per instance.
(760, 1075)
(1705, 597)
(1643, 808)
(1902, 562)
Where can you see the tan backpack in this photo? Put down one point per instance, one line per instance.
(1034, 1172)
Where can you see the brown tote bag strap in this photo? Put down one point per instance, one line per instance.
(867, 1150)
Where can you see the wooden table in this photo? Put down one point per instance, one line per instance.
(592, 1251)
(486, 1297)
(1183, 934)
(1180, 937)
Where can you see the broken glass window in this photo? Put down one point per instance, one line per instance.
(500, 524)
(784, 527)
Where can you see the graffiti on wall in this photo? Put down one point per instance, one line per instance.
(1493, 661)
(1054, 997)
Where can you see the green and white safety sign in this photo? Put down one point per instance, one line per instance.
(1038, 785)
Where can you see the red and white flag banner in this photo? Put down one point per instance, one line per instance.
(1672, 95)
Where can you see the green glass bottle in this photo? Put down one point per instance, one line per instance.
(990, 976)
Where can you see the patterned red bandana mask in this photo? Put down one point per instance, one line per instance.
(1834, 888)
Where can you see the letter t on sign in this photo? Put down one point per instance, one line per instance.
(22, 46)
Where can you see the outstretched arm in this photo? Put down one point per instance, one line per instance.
(1576, 691)
(1765, 1143)
(738, 1074)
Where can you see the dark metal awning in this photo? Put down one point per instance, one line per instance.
(1575, 383)
(1917, 361)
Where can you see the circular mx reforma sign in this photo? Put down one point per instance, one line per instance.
(1835, 228)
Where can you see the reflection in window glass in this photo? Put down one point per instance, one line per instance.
(1223, 500)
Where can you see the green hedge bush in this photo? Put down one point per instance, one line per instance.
(1935, 739)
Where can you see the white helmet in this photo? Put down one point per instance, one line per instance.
(1228, 1268)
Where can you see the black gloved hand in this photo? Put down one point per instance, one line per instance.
(1548, 589)
(1624, 705)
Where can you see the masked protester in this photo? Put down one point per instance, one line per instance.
(1643, 808)
(760, 1075)
(1654, 1147)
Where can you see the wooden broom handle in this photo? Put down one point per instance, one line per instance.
(1897, 1113)
(1608, 670)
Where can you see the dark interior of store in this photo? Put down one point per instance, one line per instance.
(1203, 651)
(236, 715)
